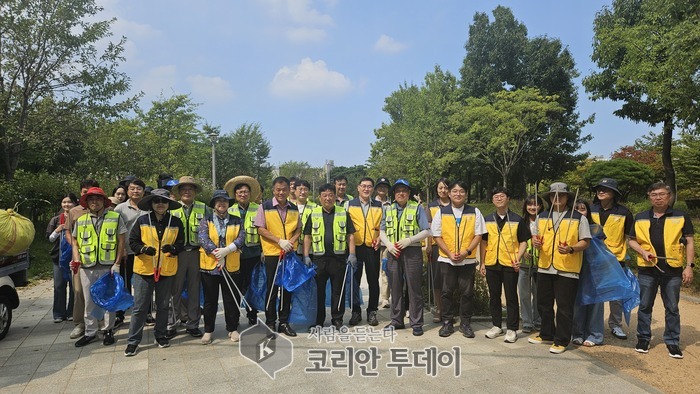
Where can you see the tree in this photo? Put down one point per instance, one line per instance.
(649, 55)
(246, 151)
(50, 69)
(686, 156)
(503, 125)
(632, 177)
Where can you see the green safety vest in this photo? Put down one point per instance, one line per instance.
(98, 248)
(191, 223)
(405, 227)
(251, 232)
(318, 231)
(310, 205)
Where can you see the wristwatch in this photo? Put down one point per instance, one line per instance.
(691, 265)
(571, 250)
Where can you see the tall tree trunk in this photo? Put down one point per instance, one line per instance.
(669, 172)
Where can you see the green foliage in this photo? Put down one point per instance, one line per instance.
(246, 151)
(354, 174)
(38, 194)
(632, 177)
(686, 156)
(52, 74)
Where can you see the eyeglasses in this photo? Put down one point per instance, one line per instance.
(458, 192)
(365, 186)
(499, 196)
(658, 195)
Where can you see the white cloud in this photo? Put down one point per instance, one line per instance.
(298, 11)
(157, 80)
(306, 34)
(210, 88)
(309, 79)
(387, 44)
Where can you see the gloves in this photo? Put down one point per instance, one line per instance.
(285, 245)
(403, 243)
(114, 269)
(148, 250)
(74, 265)
(220, 263)
(221, 253)
(393, 250)
(352, 260)
(307, 261)
(168, 249)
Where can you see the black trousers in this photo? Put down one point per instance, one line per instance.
(458, 277)
(333, 268)
(551, 288)
(211, 285)
(272, 310)
(247, 266)
(369, 258)
(126, 270)
(507, 280)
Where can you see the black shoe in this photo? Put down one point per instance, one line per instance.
(446, 330)
(130, 350)
(150, 321)
(163, 342)
(272, 326)
(355, 319)
(85, 340)
(395, 326)
(372, 318)
(674, 351)
(338, 324)
(109, 338)
(642, 346)
(170, 334)
(118, 321)
(417, 331)
(466, 330)
(195, 332)
(286, 329)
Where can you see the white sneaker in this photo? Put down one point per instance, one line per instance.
(511, 336)
(234, 335)
(206, 338)
(494, 332)
(77, 332)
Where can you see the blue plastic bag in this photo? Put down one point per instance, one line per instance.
(304, 304)
(255, 295)
(184, 295)
(632, 302)
(64, 257)
(108, 293)
(293, 272)
(602, 278)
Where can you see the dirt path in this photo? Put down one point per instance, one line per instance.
(656, 368)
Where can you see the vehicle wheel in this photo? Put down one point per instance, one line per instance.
(5, 317)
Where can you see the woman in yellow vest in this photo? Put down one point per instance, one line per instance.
(434, 275)
(156, 240)
(221, 237)
(561, 237)
(527, 280)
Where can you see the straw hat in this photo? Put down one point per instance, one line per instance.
(186, 180)
(255, 193)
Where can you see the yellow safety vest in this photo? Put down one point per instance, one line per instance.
(366, 227)
(551, 239)
(502, 245)
(251, 232)
(673, 232)
(614, 230)
(274, 224)
(233, 260)
(318, 231)
(145, 264)
(305, 214)
(457, 237)
(405, 227)
(191, 222)
(98, 248)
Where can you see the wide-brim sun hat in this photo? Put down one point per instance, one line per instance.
(186, 180)
(557, 188)
(145, 203)
(253, 184)
(95, 191)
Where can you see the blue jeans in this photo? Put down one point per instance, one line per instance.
(670, 294)
(527, 290)
(60, 310)
(144, 286)
(589, 322)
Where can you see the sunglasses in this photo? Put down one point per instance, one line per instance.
(159, 200)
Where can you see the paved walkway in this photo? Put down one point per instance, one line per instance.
(38, 356)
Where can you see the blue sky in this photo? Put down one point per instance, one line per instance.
(315, 73)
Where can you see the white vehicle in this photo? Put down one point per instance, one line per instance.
(13, 271)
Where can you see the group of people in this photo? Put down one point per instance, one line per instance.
(168, 241)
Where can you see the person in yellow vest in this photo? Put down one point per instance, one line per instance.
(222, 237)
(279, 227)
(561, 237)
(98, 246)
(156, 239)
(328, 238)
(663, 239)
(435, 276)
(341, 185)
(293, 183)
(305, 206)
(366, 215)
(382, 195)
(502, 248)
(457, 229)
(191, 212)
(527, 280)
(403, 227)
(617, 222)
(245, 190)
